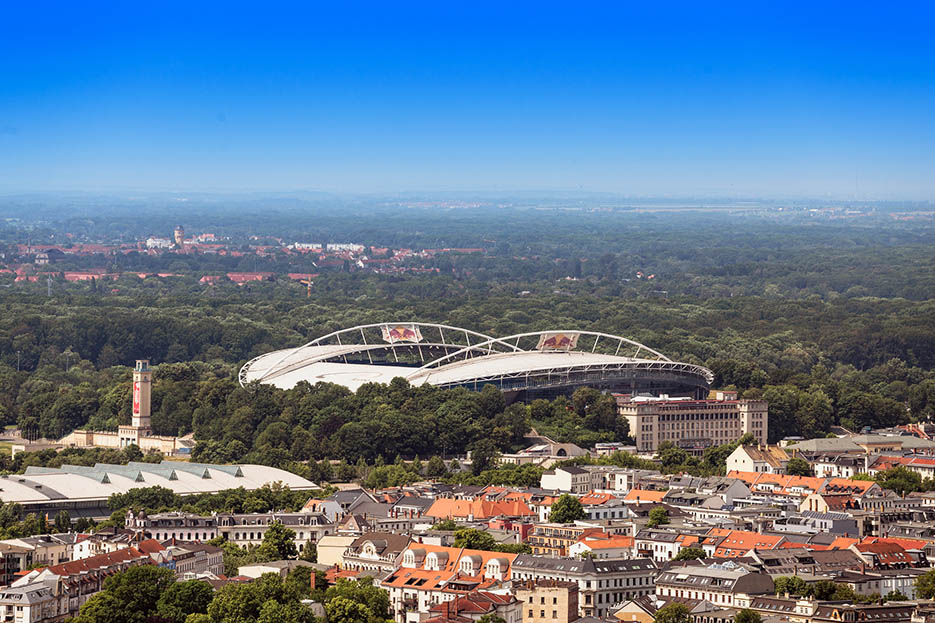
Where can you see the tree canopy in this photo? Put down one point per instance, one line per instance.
(566, 509)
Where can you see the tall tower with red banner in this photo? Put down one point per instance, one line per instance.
(142, 396)
(140, 421)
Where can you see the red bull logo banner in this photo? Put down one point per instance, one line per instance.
(557, 341)
(136, 398)
(401, 333)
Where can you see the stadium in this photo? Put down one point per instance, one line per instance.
(525, 366)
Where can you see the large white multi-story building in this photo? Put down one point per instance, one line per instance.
(692, 424)
(601, 583)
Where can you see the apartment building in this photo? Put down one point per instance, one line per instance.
(692, 424)
(34, 602)
(22, 553)
(570, 479)
(431, 574)
(723, 584)
(554, 539)
(72, 583)
(758, 458)
(174, 525)
(604, 546)
(375, 552)
(548, 601)
(250, 528)
(601, 583)
(194, 559)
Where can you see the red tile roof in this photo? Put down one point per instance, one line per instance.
(738, 542)
(101, 561)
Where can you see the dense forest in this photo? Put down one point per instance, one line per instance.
(833, 323)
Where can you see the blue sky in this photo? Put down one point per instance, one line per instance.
(650, 98)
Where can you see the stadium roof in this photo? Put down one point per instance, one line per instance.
(93, 484)
(448, 356)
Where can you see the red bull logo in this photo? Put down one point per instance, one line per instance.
(557, 341)
(401, 333)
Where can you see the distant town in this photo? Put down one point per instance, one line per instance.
(33, 262)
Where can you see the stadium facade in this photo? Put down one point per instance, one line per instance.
(524, 366)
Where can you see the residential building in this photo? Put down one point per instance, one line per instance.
(329, 508)
(250, 528)
(758, 458)
(474, 606)
(174, 526)
(801, 560)
(375, 552)
(548, 601)
(601, 583)
(194, 560)
(603, 546)
(77, 581)
(720, 583)
(22, 553)
(881, 582)
(331, 549)
(657, 544)
(568, 479)
(554, 539)
(33, 602)
(432, 574)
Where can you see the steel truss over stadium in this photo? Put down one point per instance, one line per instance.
(526, 365)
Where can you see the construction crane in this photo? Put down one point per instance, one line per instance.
(307, 282)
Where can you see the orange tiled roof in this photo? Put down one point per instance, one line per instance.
(842, 542)
(518, 495)
(594, 498)
(739, 542)
(611, 542)
(887, 553)
(447, 508)
(688, 540)
(796, 485)
(644, 495)
(904, 543)
(424, 579)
